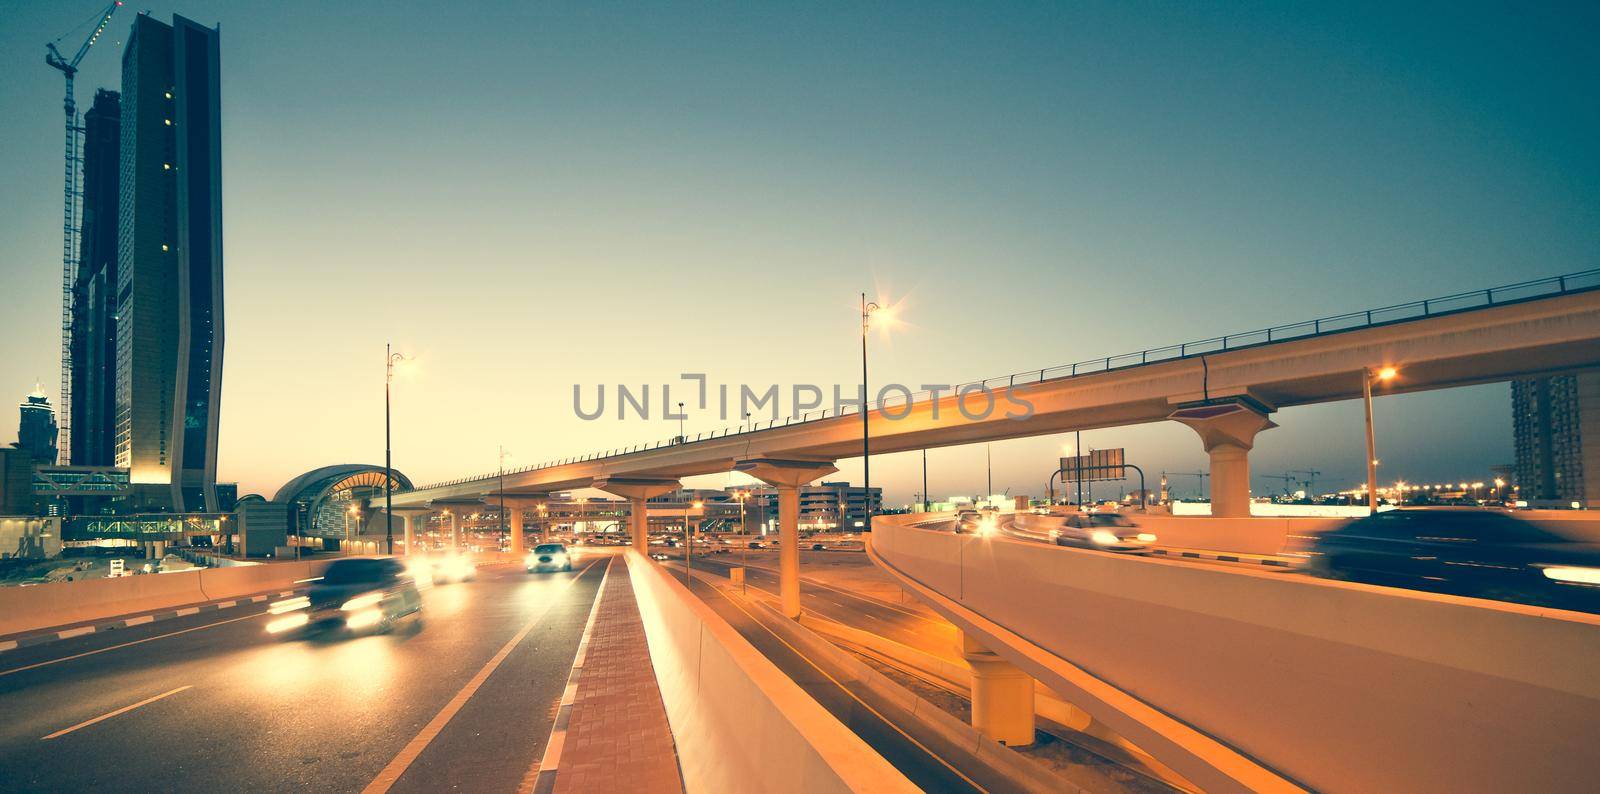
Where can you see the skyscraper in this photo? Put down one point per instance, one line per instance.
(1556, 427)
(36, 429)
(169, 261)
(94, 302)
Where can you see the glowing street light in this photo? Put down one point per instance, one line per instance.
(885, 315)
(390, 359)
(1383, 375)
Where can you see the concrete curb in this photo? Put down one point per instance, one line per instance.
(1271, 562)
(44, 638)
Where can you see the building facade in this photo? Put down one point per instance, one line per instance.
(169, 261)
(1556, 428)
(36, 429)
(94, 293)
(828, 506)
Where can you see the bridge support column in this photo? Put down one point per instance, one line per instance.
(1002, 696)
(787, 476)
(637, 491)
(514, 515)
(408, 525)
(1228, 431)
(455, 531)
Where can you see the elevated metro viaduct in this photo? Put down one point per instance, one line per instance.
(1224, 388)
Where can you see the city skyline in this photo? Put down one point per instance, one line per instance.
(1095, 232)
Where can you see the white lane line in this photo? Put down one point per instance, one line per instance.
(418, 743)
(125, 644)
(109, 715)
(187, 611)
(77, 632)
(8, 645)
(138, 621)
(542, 778)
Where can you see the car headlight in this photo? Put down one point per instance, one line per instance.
(1573, 573)
(986, 526)
(364, 618)
(1103, 537)
(1147, 537)
(289, 605)
(363, 601)
(287, 622)
(529, 560)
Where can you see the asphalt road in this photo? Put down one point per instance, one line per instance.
(213, 703)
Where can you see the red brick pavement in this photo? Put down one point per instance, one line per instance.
(617, 736)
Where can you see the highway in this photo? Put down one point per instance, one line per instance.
(1084, 764)
(212, 703)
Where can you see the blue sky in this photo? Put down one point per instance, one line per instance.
(534, 195)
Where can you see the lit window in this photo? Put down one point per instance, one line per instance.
(169, 95)
(166, 166)
(163, 246)
(168, 122)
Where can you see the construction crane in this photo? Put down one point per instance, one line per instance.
(1309, 481)
(71, 194)
(1288, 480)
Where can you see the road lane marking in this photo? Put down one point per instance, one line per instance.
(109, 715)
(77, 632)
(418, 743)
(541, 779)
(48, 662)
(138, 621)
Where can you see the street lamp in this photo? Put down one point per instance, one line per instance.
(688, 544)
(1383, 375)
(502, 480)
(542, 534)
(390, 358)
(867, 310)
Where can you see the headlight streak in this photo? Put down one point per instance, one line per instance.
(289, 605)
(288, 622)
(362, 601)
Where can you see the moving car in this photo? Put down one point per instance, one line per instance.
(1481, 553)
(1103, 531)
(548, 557)
(453, 567)
(353, 595)
(974, 522)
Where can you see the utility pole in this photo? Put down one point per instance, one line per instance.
(925, 498)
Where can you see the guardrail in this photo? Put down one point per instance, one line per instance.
(1554, 286)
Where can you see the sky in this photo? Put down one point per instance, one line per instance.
(527, 196)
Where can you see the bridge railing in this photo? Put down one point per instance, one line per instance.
(1553, 286)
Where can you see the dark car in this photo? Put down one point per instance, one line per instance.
(1479, 553)
(354, 595)
(1103, 531)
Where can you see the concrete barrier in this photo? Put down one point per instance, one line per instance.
(740, 724)
(1243, 535)
(28, 609)
(1338, 686)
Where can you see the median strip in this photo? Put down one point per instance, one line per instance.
(47, 637)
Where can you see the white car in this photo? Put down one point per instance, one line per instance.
(548, 557)
(1103, 531)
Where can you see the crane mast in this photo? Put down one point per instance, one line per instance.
(71, 194)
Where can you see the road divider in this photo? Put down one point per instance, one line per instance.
(729, 707)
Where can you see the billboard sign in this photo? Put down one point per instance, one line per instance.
(1099, 464)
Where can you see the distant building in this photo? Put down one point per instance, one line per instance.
(36, 430)
(169, 315)
(1556, 428)
(830, 505)
(94, 294)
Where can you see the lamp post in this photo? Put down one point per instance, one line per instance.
(390, 357)
(1367, 377)
(924, 479)
(681, 416)
(867, 310)
(744, 529)
(688, 544)
(502, 488)
(542, 509)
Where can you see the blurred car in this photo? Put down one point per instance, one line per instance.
(353, 595)
(659, 556)
(548, 557)
(973, 522)
(756, 544)
(1103, 531)
(1481, 553)
(452, 567)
